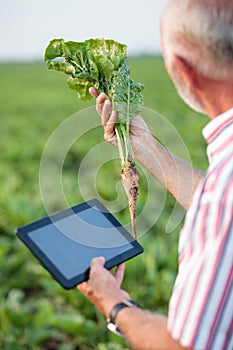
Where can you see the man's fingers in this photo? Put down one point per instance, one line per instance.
(112, 119)
(120, 274)
(94, 93)
(105, 112)
(85, 288)
(100, 98)
(108, 120)
(109, 126)
(82, 286)
(97, 262)
(100, 103)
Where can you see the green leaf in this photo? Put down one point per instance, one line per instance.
(56, 48)
(81, 86)
(62, 67)
(91, 63)
(126, 94)
(105, 66)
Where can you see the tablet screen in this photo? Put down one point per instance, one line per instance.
(72, 242)
(67, 241)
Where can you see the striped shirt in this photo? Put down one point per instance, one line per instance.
(201, 306)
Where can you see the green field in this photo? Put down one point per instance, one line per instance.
(35, 312)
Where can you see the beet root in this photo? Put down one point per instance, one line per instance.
(130, 182)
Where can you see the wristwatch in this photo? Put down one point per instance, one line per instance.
(115, 310)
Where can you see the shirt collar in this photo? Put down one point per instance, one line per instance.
(214, 132)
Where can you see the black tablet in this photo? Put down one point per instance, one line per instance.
(66, 242)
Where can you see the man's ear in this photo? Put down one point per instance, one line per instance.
(186, 72)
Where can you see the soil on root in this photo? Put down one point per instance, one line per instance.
(130, 182)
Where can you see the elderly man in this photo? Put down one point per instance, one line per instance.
(197, 44)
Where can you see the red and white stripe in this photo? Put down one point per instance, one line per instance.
(201, 306)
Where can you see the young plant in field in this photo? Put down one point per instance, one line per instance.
(103, 64)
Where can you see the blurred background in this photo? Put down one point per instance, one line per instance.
(35, 312)
(28, 26)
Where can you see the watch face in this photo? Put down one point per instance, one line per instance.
(113, 328)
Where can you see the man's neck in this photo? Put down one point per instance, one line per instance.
(218, 97)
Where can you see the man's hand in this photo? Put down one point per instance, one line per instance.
(103, 288)
(138, 128)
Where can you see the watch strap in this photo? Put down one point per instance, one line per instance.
(118, 307)
(115, 310)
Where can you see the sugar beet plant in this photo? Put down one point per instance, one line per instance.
(103, 64)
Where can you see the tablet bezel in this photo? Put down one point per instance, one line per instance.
(22, 233)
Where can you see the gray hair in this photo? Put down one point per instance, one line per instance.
(201, 31)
